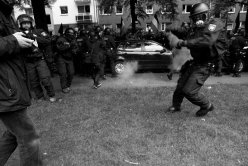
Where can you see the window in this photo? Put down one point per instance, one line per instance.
(148, 27)
(152, 47)
(149, 9)
(167, 9)
(133, 46)
(186, 8)
(84, 18)
(119, 10)
(107, 26)
(163, 27)
(29, 11)
(106, 11)
(229, 26)
(243, 9)
(118, 26)
(231, 10)
(63, 10)
(84, 9)
(242, 24)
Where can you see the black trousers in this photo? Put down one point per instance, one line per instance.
(66, 72)
(39, 74)
(96, 73)
(20, 132)
(189, 84)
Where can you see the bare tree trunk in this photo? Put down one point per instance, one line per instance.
(133, 15)
(39, 14)
(246, 24)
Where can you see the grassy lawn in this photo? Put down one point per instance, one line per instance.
(130, 126)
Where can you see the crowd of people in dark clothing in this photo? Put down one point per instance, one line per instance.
(87, 52)
(30, 57)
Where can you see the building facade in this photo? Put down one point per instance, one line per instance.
(113, 19)
(69, 13)
(74, 13)
(86, 13)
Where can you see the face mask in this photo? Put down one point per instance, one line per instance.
(199, 20)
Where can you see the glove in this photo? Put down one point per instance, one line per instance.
(180, 44)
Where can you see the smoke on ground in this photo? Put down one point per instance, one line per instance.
(130, 79)
(130, 69)
(180, 56)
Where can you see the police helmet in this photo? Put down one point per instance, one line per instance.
(93, 35)
(24, 18)
(69, 31)
(199, 14)
(107, 31)
(98, 29)
(82, 32)
(198, 8)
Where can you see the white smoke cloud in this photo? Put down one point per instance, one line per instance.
(180, 56)
(130, 69)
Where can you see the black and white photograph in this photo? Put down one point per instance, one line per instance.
(123, 83)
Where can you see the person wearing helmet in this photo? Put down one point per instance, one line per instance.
(15, 95)
(205, 46)
(38, 71)
(66, 48)
(110, 49)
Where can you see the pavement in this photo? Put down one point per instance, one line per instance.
(150, 80)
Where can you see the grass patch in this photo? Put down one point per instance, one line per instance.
(130, 126)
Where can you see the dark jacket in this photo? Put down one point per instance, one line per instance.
(110, 42)
(237, 43)
(41, 48)
(14, 90)
(96, 49)
(205, 43)
(66, 48)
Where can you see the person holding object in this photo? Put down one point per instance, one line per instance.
(36, 59)
(205, 46)
(15, 95)
(66, 48)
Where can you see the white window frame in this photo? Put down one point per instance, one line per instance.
(63, 14)
(149, 11)
(118, 13)
(185, 10)
(117, 26)
(102, 12)
(163, 26)
(242, 23)
(84, 9)
(148, 25)
(229, 25)
(107, 26)
(164, 10)
(242, 9)
(233, 9)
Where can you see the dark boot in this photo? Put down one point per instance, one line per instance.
(204, 111)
